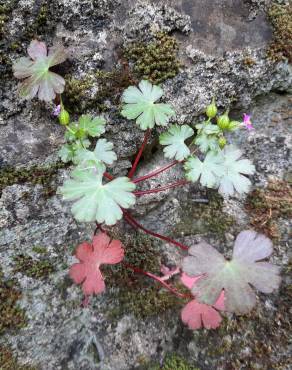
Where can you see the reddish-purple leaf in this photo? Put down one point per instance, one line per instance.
(91, 256)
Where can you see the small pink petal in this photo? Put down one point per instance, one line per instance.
(164, 270)
(189, 281)
(196, 315)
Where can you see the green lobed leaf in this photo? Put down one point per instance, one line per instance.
(207, 171)
(234, 169)
(140, 105)
(174, 139)
(95, 201)
(91, 126)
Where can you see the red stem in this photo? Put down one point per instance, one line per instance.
(136, 224)
(137, 159)
(162, 188)
(108, 176)
(156, 172)
(157, 278)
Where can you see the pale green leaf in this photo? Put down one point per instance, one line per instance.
(91, 126)
(66, 153)
(234, 276)
(234, 169)
(95, 201)
(140, 105)
(174, 139)
(207, 171)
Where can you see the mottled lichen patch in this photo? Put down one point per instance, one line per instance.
(9, 362)
(202, 218)
(155, 61)
(172, 361)
(12, 317)
(44, 176)
(265, 206)
(280, 16)
(37, 269)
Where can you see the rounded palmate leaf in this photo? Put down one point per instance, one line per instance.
(95, 201)
(39, 80)
(234, 276)
(174, 139)
(140, 105)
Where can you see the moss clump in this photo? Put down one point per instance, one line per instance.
(37, 269)
(39, 250)
(281, 18)
(44, 176)
(173, 362)
(138, 295)
(265, 206)
(155, 61)
(11, 315)
(9, 362)
(94, 90)
(201, 218)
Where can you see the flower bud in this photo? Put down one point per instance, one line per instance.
(211, 109)
(222, 142)
(64, 117)
(223, 121)
(233, 125)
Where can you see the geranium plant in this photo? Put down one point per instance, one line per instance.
(202, 150)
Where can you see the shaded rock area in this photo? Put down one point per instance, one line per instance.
(222, 49)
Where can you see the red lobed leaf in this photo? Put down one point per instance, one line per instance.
(91, 257)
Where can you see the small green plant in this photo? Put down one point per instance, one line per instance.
(201, 149)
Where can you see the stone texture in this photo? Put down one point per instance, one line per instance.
(218, 39)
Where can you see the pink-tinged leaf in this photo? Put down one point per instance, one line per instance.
(87, 272)
(57, 55)
(189, 281)
(37, 49)
(219, 304)
(235, 276)
(22, 68)
(168, 273)
(197, 315)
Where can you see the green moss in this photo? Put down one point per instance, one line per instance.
(39, 250)
(37, 269)
(44, 176)
(281, 18)
(138, 295)
(12, 317)
(155, 61)
(201, 218)
(266, 206)
(107, 86)
(173, 362)
(9, 362)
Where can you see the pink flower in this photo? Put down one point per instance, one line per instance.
(197, 315)
(57, 110)
(91, 256)
(247, 122)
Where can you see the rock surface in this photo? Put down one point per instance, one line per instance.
(222, 48)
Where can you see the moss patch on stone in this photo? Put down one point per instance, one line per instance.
(12, 317)
(280, 16)
(94, 90)
(267, 205)
(44, 176)
(138, 295)
(37, 269)
(173, 361)
(9, 362)
(203, 218)
(155, 61)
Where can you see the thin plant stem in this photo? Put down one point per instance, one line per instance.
(137, 159)
(130, 219)
(108, 176)
(156, 278)
(162, 188)
(155, 173)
